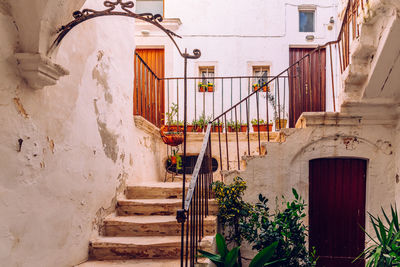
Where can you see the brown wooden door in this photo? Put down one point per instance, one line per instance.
(337, 210)
(307, 82)
(149, 93)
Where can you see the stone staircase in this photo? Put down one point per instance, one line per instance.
(144, 230)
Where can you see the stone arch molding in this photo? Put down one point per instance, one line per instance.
(37, 22)
(342, 146)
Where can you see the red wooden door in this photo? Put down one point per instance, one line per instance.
(307, 82)
(337, 210)
(148, 95)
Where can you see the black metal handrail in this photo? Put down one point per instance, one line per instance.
(195, 205)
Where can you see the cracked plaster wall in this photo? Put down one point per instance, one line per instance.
(286, 164)
(79, 143)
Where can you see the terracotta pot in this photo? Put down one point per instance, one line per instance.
(266, 89)
(255, 88)
(263, 127)
(232, 129)
(173, 160)
(282, 124)
(169, 137)
(198, 129)
(202, 89)
(210, 88)
(216, 129)
(243, 128)
(190, 128)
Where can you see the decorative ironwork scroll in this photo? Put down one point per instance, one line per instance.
(126, 7)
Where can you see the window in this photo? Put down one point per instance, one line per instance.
(207, 74)
(150, 6)
(261, 73)
(306, 20)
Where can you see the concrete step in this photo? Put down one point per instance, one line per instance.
(131, 263)
(124, 248)
(168, 190)
(146, 207)
(150, 226)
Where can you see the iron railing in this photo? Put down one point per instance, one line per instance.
(148, 93)
(205, 104)
(199, 191)
(195, 205)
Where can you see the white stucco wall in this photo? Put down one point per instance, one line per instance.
(233, 38)
(80, 145)
(286, 165)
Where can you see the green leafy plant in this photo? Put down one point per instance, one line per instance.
(171, 114)
(261, 228)
(385, 248)
(216, 123)
(203, 120)
(256, 122)
(234, 125)
(175, 158)
(230, 258)
(231, 208)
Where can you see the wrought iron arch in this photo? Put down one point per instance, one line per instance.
(87, 14)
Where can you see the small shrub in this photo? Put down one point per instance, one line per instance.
(285, 227)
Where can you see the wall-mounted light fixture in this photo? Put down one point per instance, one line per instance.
(310, 37)
(145, 32)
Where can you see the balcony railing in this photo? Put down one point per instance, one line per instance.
(148, 94)
(205, 102)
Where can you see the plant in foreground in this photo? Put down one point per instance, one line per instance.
(285, 227)
(230, 257)
(385, 248)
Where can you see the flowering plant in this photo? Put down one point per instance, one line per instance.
(231, 206)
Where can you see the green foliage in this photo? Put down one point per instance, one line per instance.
(256, 122)
(203, 121)
(285, 227)
(231, 207)
(172, 113)
(227, 258)
(385, 248)
(215, 123)
(234, 125)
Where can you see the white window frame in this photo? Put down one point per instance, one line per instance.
(308, 8)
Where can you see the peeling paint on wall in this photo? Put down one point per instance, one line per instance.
(100, 74)
(20, 108)
(108, 139)
(51, 144)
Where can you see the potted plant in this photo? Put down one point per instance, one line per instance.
(202, 87)
(210, 87)
(255, 87)
(171, 134)
(264, 86)
(216, 127)
(202, 123)
(195, 126)
(243, 127)
(261, 125)
(280, 121)
(233, 126)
